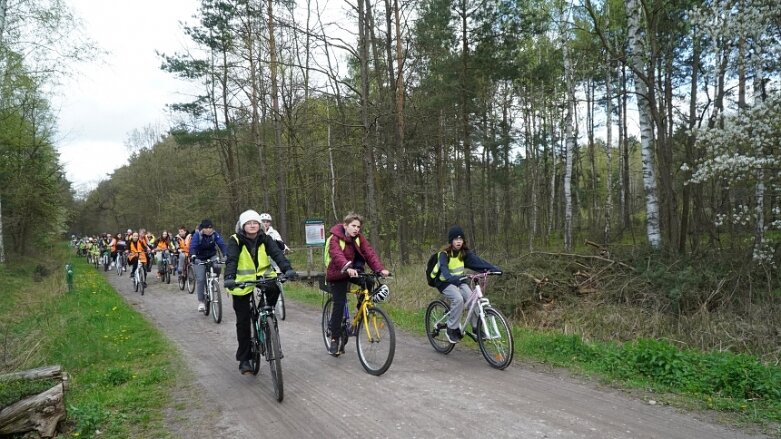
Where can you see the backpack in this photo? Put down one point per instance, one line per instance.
(431, 275)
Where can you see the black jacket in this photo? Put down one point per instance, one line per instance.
(234, 249)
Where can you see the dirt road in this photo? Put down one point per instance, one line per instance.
(423, 395)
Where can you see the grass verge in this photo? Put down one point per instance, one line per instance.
(121, 369)
(738, 388)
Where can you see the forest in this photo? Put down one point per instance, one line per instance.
(647, 128)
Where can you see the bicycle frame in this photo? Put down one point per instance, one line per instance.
(476, 303)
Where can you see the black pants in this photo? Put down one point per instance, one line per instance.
(339, 293)
(244, 320)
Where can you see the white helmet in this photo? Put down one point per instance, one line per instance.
(381, 294)
(265, 217)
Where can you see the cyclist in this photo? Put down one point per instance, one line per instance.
(347, 255)
(203, 247)
(453, 258)
(250, 252)
(138, 251)
(182, 242)
(118, 246)
(265, 221)
(162, 246)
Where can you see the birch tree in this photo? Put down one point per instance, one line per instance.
(637, 56)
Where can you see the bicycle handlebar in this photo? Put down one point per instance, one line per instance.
(266, 281)
(481, 275)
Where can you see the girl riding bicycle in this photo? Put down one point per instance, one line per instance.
(453, 259)
(249, 256)
(347, 255)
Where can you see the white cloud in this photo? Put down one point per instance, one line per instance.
(126, 90)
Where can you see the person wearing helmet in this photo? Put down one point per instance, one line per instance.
(249, 257)
(348, 252)
(265, 221)
(453, 259)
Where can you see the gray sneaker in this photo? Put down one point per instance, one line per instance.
(333, 347)
(453, 335)
(245, 367)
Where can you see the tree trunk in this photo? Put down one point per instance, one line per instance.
(636, 45)
(281, 150)
(368, 150)
(465, 106)
(687, 187)
(608, 150)
(569, 133)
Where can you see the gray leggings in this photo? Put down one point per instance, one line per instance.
(457, 295)
(200, 275)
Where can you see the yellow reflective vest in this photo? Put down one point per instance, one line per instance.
(454, 264)
(246, 270)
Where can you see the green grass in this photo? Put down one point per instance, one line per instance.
(121, 369)
(741, 388)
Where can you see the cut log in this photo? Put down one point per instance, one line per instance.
(40, 413)
(41, 373)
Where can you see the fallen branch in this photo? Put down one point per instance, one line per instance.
(573, 255)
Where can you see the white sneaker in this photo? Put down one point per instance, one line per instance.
(201, 307)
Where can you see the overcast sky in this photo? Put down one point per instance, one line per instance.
(126, 90)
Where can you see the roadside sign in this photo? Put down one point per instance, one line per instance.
(314, 230)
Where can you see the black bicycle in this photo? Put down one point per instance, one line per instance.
(265, 332)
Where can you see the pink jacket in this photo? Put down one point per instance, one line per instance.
(339, 257)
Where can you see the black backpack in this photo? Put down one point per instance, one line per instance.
(433, 260)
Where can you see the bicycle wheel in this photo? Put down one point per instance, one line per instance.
(207, 298)
(135, 282)
(329, 304)
(497, 344)
(191, 280)
(436, 325)
(216, 303)
(279, 309)
(254, 360)
(182, 279)
(376, 342)
(274, 356)
(167, 275)
(119, 266)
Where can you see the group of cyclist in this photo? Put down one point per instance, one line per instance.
(256, 251)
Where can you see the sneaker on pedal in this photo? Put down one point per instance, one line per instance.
(333, 347)
(343, 343)
(245, 367)
(453, 335)
(201, 307)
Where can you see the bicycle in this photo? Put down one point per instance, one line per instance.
(211, 292)
(105, 259)
(121, 263)
(165, 276)
(187, 276)
(494, 335)
(139, 277)
(373, 329)
(265, 332)
(279, 308)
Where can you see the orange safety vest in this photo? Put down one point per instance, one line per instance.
(137, 247)
(162, 245)
(184, 243)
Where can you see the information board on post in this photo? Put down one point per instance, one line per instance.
(314, 230)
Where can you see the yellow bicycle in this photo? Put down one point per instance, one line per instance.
(373, 329)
